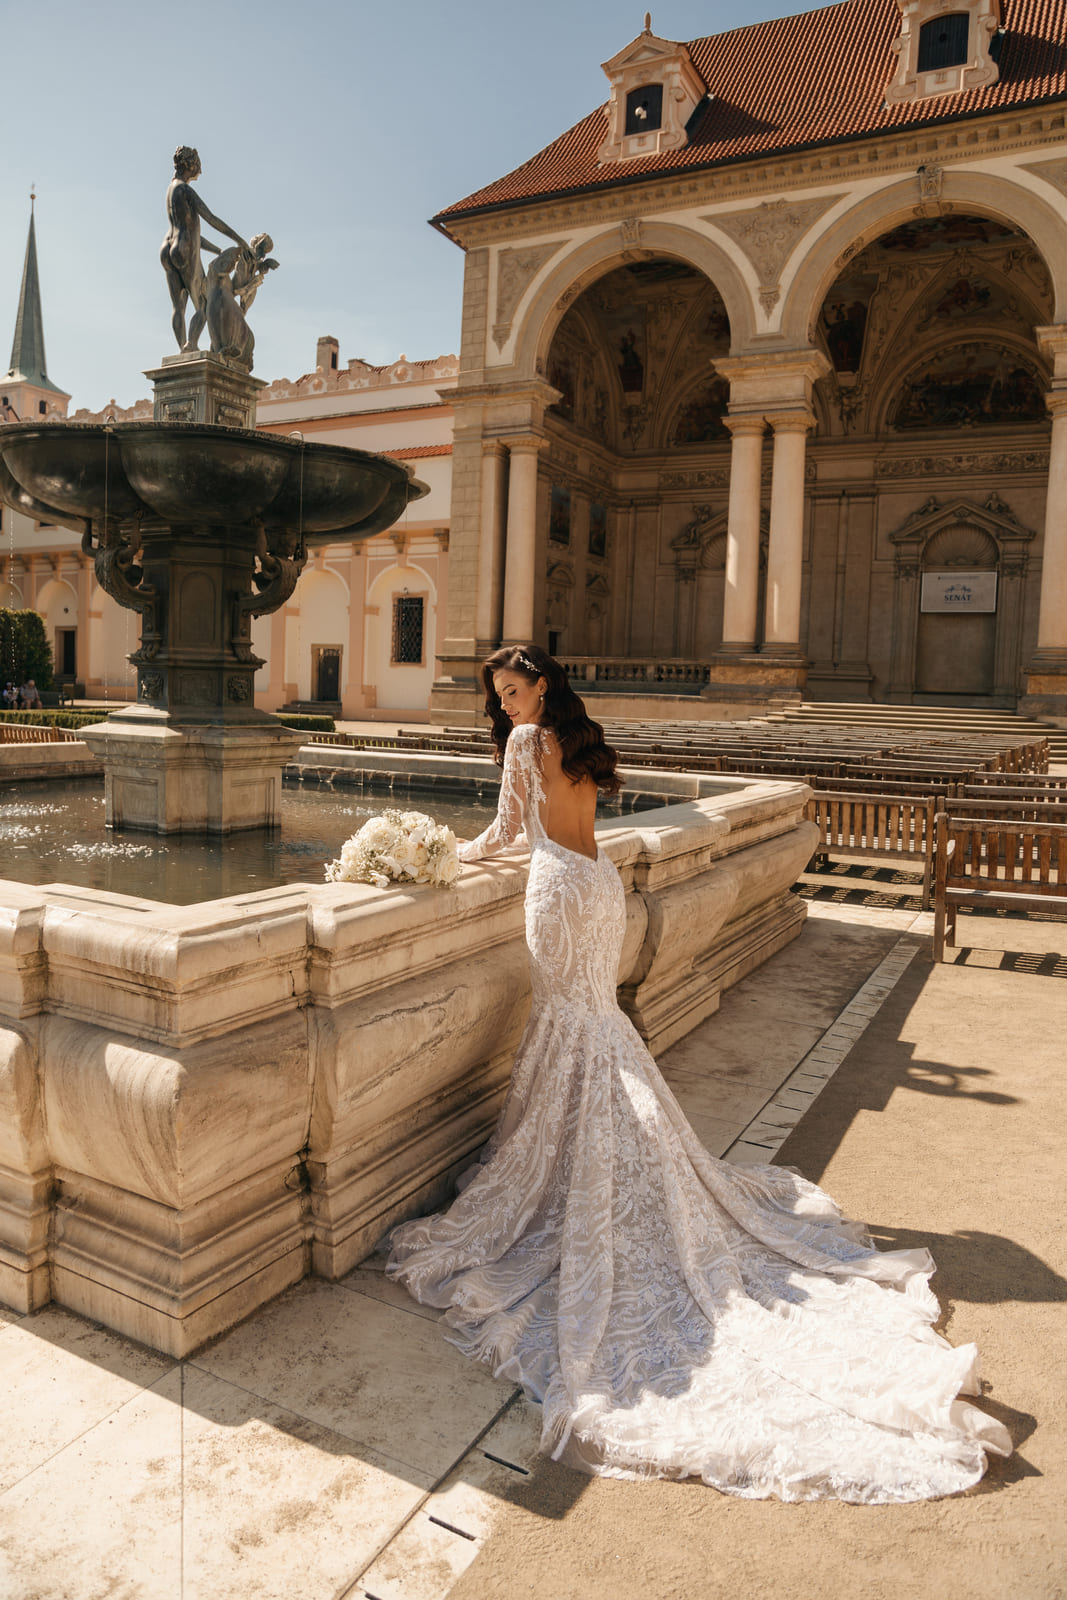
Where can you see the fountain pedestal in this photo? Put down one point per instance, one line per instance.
(166, 778)
(202, 387)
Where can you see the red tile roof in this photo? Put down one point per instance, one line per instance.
(415, 452)
(790, 84)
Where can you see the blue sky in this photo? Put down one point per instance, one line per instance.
(338, 126)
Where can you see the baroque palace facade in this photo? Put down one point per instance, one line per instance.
(763, 380)
(762, 391)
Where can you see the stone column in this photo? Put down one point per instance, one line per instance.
(488, 611)
(520, 567)
(741, 590)
(1046, 675)
(1052, 618)
(785, 553)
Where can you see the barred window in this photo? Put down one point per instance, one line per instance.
(407, 629)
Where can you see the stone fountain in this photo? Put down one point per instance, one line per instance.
(199, 524)
(201, 1104)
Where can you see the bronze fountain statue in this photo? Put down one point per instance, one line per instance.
(199, 523)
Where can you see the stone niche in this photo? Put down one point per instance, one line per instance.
(200, 1105)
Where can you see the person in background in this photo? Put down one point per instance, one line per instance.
(29, 698)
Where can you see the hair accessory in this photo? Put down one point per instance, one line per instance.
(524, 661)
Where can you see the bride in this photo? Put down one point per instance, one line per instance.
(675, 1315)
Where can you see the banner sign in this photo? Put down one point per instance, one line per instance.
(961, 592)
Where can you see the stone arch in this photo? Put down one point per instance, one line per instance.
(57, 603)
(977, 193)
(317, 616)
(576, 271)
(407, 687)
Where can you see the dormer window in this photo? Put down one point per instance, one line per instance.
(655, 89)
(644, 108)
(943, 42)
(944, 48)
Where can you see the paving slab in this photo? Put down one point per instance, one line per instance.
(388, 1382)
(942, 1126)
(335, 1445)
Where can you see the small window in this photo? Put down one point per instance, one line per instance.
(333, 360)
(407, 630)
(41, 408)
(943, 42)
(644, 108)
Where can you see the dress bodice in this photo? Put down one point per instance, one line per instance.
(522, 798)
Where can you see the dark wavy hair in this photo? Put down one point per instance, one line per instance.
(581, 740)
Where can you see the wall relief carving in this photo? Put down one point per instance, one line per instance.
(515, 270)
(1054, 172)
(769, 234)
(964, 461)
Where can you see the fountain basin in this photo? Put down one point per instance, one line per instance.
(201, 1104)
(199, 528)
(75, 473)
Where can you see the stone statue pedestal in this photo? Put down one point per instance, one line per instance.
(201, 387)
(163, 776)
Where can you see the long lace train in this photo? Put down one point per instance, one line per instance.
(674, 1314)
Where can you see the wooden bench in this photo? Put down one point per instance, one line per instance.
(996, 862)
(995, 783)
(910, 788)
(852, 824)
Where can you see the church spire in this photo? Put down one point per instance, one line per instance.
(27, 348)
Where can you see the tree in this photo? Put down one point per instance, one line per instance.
(24, 648)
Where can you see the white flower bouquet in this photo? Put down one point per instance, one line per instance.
(398, 847)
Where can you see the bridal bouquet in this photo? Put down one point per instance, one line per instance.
(398, 847)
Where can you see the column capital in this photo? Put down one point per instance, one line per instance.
(1056, 401)
(1052, 342)
(766, 379)
(524, 443)
(791, 421)
(493, 447)
(743, 424)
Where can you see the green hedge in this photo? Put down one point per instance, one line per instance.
(24, 649)
(53, 719)
(309, 724)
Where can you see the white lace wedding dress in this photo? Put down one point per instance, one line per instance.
(674, 1314)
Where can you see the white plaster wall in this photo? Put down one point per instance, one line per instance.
(112, 636)
(400, 688)
(323, 600)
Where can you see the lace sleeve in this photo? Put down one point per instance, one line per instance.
(520, 787)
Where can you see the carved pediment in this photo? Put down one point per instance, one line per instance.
(963, 526)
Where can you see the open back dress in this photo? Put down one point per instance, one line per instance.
(675, 1315)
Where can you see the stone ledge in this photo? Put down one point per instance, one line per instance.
(202, 1103)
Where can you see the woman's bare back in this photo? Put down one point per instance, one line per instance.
(570, 808)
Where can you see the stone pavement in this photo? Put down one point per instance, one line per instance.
(335, 1446)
